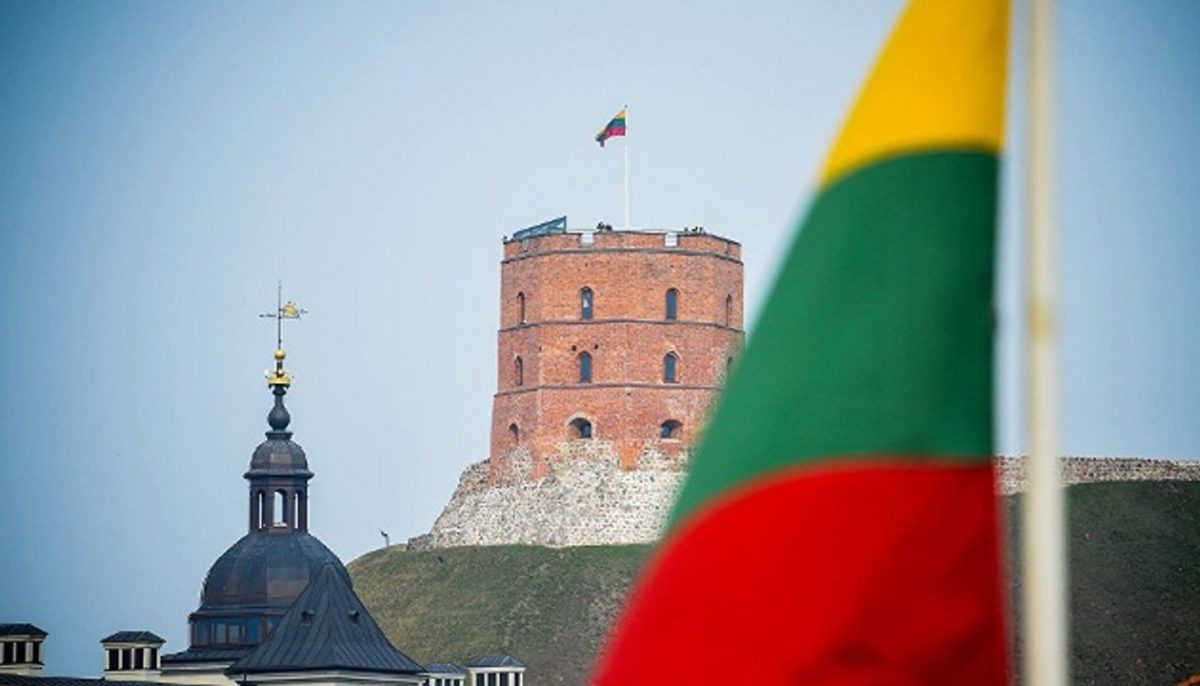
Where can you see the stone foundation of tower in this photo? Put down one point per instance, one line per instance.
(586, 498)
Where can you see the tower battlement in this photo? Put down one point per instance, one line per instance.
(687, 240)
(620, 337)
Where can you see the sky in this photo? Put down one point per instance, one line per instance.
(162, 165)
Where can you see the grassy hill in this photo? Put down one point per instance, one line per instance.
(548, 606)
(1135, 585)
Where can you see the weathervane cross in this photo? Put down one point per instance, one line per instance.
(283, 310)
(280, 378)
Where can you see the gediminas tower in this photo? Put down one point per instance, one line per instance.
(611, 339)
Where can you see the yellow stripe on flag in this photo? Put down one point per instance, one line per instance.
(938, 84)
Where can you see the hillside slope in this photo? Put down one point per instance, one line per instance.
(548, 606)
(1135, 582)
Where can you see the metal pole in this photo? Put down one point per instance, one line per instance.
(1044, 611)
(626, 183)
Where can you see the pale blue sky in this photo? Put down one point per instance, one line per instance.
(162, 164)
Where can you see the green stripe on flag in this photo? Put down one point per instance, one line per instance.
(878, 334)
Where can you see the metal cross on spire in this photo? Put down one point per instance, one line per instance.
(283, 310)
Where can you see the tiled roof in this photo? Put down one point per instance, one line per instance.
(21, 629)
(497, 661)
(326, 628)
(134, 637)
(444, 668)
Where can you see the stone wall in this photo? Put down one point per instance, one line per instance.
(1084, 470)
(586, 498)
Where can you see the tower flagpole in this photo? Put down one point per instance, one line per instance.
(625, 185)
(1045, 573)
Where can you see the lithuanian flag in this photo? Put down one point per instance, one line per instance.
(839, 522)
(614, 127)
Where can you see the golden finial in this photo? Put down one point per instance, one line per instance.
(280, 377)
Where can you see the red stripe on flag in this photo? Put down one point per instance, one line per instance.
(884, 572)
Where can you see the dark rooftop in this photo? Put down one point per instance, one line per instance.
(134, 637)
(21, 629)
(18, 680)
(326, 628)
(444, 668)
(497, 661)
(205, 654)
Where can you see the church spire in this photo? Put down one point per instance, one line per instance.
(279, 472)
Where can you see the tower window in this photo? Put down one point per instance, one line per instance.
(729, 310)
(520, 308)
(671, 429)
(671, 368)
(280, 514)
(580, 428)
(518, 371)
(585, 367)
(514, 432)
(672, 305)
(585, 304)
(261, 518)
(112, 660)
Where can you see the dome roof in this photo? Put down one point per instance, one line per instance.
(265, 570)
(279, 454)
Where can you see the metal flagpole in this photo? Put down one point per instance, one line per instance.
(626, 181)
(1044, 611)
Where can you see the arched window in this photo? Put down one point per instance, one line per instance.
(280, 515)
(729, 310)
(514, 432)
(518, 371)
(520, 308)
(671, 368)
(580, 428)
(261, 514)
(585, 367)
(728, 366)
(585, 303)
(672, 305)
(671, 429)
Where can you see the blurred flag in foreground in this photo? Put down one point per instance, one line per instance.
(839, 522)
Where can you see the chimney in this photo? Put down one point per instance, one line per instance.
(132, 656)
(21, 649)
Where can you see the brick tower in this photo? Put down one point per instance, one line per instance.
(611, 340)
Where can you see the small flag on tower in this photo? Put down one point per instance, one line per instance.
(616, 127)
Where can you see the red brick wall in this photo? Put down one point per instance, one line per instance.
(629, 274)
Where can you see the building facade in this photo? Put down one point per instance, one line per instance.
(615, 337)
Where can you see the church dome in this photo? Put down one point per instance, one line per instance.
(265, 570)
(278, 454)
